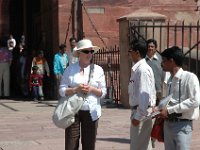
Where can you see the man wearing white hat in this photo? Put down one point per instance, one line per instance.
(75, 80)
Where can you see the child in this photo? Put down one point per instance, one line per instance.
(35, 82)
(43, 66)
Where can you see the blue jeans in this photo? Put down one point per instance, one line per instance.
(35, 92)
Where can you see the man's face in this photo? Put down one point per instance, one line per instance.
(166, 64)
(73, 43)
(151, 49)
(40, 55)
(133, 55)
(62, 50)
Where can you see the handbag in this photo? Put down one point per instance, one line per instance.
(158, 130)
(67, 107)
(64, 114)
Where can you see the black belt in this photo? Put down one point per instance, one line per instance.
(136, 106)
(177, 120)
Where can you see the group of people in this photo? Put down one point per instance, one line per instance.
(150, 73)
(27, 70)
(75, 73)
(62, 59)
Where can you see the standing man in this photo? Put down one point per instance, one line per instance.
(71, 58)
(141, 97)
(184, 105)
(154, 60)
(5, 62)
(60, 64)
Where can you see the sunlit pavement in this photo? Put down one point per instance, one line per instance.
(27, 125)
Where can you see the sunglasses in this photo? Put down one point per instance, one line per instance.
(87, 51)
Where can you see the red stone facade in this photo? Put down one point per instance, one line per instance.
(52, 19)
(174, 10)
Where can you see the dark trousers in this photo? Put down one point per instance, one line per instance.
(35, 92)
(87, 127)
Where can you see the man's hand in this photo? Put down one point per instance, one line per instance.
(135, 122)
(163, 113)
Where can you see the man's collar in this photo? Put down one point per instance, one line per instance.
(154, 57)
(137, 64)
(178, 73)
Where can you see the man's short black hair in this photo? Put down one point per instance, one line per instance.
(152, 41)
(174, 53)
(140, 46)
(62, 46)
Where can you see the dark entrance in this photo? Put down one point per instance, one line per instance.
(26, 17)
(23, 15)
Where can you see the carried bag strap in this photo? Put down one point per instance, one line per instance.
(179, 91)
(91, 72)
(90, 77)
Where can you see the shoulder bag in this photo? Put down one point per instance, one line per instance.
(67, 107)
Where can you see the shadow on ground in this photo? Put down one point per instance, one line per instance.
(118, 140)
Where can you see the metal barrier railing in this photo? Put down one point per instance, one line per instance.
(109, 60)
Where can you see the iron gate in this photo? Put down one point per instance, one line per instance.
(109, 60)
(186, 36)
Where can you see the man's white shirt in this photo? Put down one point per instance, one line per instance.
(141, 88)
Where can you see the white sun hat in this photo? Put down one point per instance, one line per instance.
(84, 44)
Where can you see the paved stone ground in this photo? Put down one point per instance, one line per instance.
(27, 125)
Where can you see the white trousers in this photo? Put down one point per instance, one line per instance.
(141, 136)
(5, 78)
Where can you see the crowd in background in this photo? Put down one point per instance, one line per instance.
(17, 64)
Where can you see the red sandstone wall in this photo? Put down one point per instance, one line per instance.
(64, 8)
(175, 11)
(107, 25)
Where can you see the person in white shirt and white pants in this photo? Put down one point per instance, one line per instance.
(142, 97)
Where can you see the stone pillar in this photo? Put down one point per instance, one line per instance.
(144, 19)
(125, 63)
